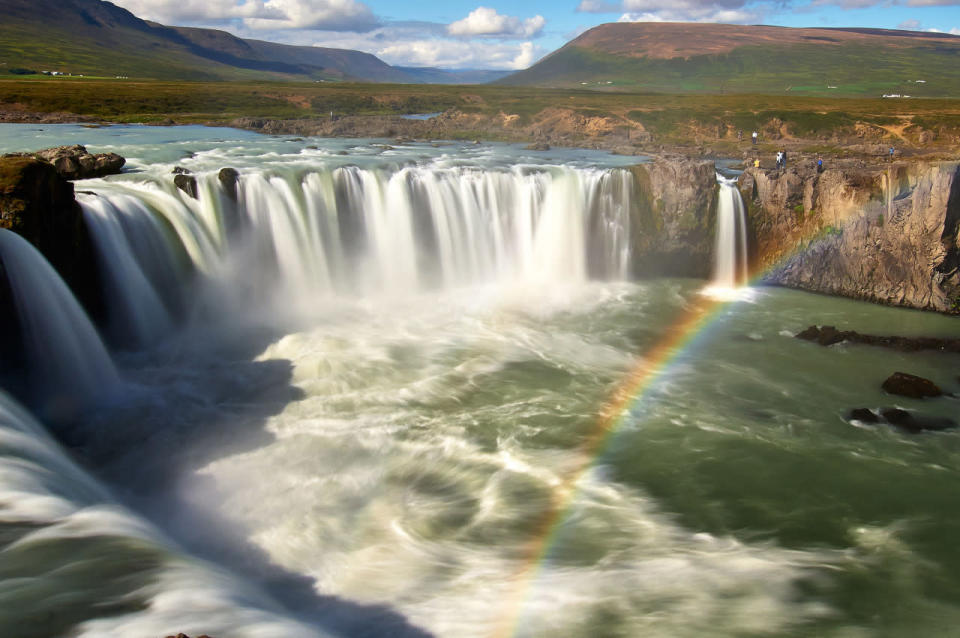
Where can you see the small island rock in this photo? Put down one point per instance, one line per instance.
(909, 385)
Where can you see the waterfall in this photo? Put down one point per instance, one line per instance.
(137, 315)
(300, 236)
(68, 363)
(730, 261)
(67, 539)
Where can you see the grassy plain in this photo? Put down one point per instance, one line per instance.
(667, 118)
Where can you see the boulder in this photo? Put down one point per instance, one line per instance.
(914, 423)
(228, 179)
(908, 385)
(537, 146)
(74, 162)
(825, 336)
(187, 183)
(179, 170)
(864, 415)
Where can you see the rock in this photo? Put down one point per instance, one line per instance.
(828, 335)
(74, 162)
(37, 203)
(228, 179)
(537, 146)
(673, 213)
(908, 385)
(187, 183)
(864, 415)
(913, 423)
(896, 416)
(825, 336)
(886, 234)
(179, 170)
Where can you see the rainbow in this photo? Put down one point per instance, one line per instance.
(676, 340)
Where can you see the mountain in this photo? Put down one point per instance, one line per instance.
(721, 58)
(98, 38)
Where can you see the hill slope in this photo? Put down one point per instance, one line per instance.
(718, 58)
(98, 38)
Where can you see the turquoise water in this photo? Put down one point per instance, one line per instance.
(381, 464)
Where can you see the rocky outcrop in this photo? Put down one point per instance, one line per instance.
(888, 234)
(74, 162)
(829, 335)
(187, 183)
(228, 178)
(38, 204)
(673, 217)
(909, 385)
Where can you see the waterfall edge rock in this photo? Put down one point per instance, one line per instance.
(887, 234)
(674, 215)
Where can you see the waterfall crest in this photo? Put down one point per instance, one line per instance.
(66, 358)
(353, 230)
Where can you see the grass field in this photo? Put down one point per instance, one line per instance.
(669, 117)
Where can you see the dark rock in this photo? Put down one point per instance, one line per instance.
(228, 179)
(914, 423)
(908, 385)
(864, 415)
(896, 416)
(179, 170)
(828, 335)
(537, 146)
(825, 336)
(37, 203)
(74, 162)
(187, 183)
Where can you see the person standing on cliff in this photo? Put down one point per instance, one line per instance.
(819, 164)
(754, 138)
(779, 160)
(892, 151)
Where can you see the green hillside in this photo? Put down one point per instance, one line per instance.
(819, 62)
(95, 38)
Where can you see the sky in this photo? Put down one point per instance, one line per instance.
(498, 34)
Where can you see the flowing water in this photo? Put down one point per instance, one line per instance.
(352, 397)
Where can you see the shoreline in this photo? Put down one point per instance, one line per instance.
(457, 126)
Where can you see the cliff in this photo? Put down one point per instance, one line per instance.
(887, 234)
(673, 218)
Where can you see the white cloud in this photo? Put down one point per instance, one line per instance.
(910, 25)
(598, 6)
(486, 22)
(457, 54)
(330, 15)
(334, 15)
(731, 11)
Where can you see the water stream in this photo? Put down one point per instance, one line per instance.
(349, 397)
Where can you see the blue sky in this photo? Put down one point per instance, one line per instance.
(494, 34)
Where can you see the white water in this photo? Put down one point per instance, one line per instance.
(74, 558)
(730, 256)
(399, 447)
(68, 363)
(303, 237)
(137, 314)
